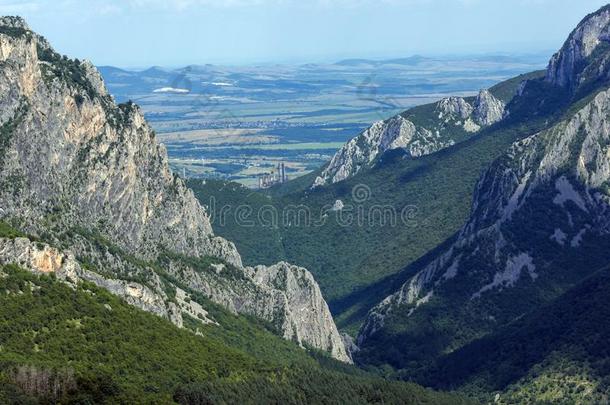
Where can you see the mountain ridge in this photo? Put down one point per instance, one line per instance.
(452, 120)
(439, 184)
(538, 225)
(87, 176)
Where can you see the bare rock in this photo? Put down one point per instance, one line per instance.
(73, 162)
(572, 65)
(563, 172)
(401, 133)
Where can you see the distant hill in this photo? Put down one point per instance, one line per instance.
(419, 59)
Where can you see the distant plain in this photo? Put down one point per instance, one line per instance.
(237, 123)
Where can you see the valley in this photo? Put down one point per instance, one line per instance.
(438, 187)
(509, 216)
(422, 230)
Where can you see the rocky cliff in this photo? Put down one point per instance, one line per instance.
(309, 318)
(82, 173)
(585, 56)
(397, 132)
(420, 132)
(44, 259)
(563, 173)
(540, 222)
(69, 150)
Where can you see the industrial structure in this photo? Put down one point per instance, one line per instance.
(277, 176)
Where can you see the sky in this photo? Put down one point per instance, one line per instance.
(142, 33)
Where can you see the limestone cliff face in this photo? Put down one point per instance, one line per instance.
(540, 219)
(454, 106)
(585, 56)
(536, 215)
(69, 150)
(487, 109)
(74, 163)
(453, 118)
(397, 132)
(285, 295)
(44, 259)
(308, 318)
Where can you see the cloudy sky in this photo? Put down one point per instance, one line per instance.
(139, 33)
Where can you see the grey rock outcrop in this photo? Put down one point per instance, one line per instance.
(454, 116)
(307, 318)
(286, 296)
(43, 259)
(562, 172)
(573, 65)
(350, 344)
(454, 106)
(397, 132)
(95, 163)
(487, 109)
(84, 174)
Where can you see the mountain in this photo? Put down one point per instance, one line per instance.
(112, 72)
(582, 62)
(411, 60)
(418, 60)
(408, 61)
(113, 286)
(420, 132)
(128, 84)
(77, 343)
(355, 62)
(125, 293)
(538, 224)
(86, 179)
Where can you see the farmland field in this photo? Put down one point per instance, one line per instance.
(238, 123)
